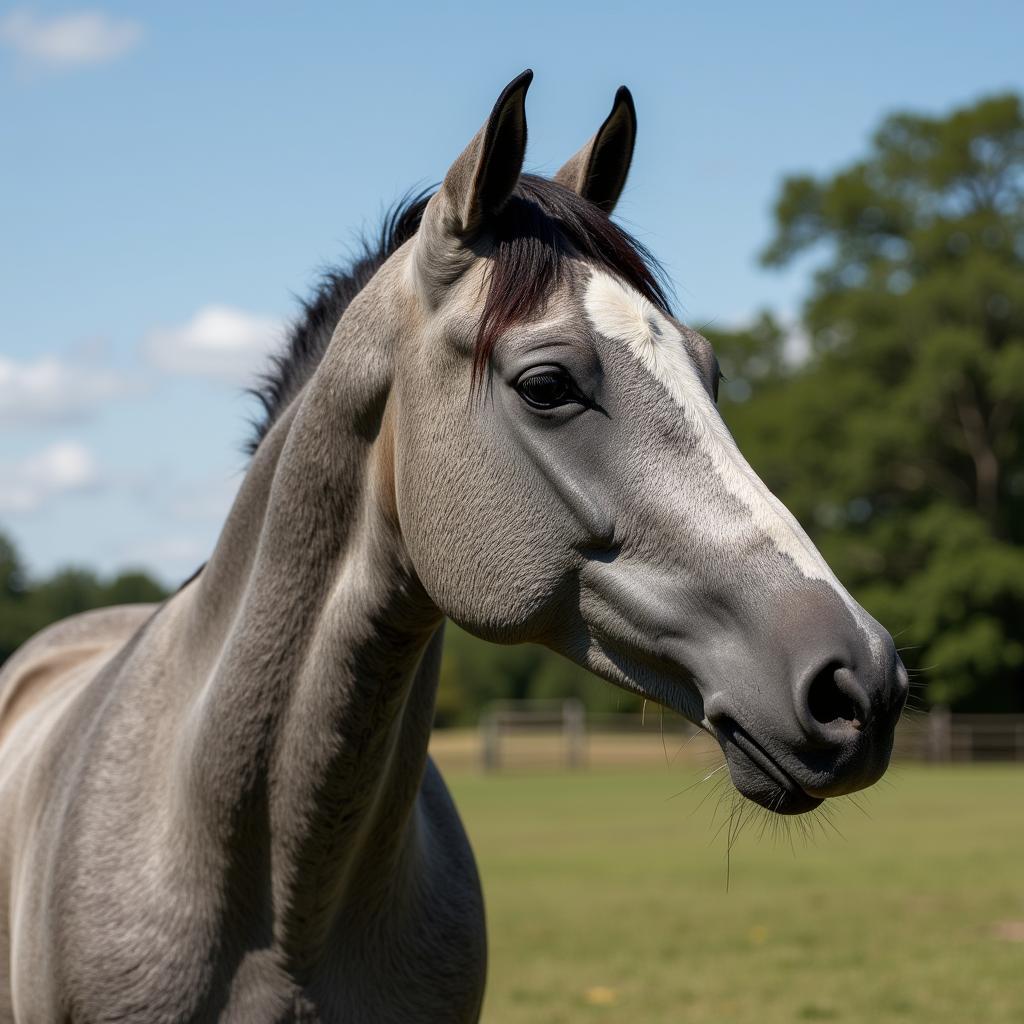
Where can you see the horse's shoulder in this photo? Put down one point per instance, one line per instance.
(43, 662)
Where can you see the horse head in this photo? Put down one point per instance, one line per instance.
(562, 475)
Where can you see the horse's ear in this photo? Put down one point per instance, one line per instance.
(475, 188)
(481, 180)
(598, 171)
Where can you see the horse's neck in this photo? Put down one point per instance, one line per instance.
(307, 632)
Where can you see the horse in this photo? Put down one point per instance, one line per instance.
(222, 807)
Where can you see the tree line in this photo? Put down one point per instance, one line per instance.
(27, 605)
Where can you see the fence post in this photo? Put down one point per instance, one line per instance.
(490, 750)
(575, 731)
(940, 735)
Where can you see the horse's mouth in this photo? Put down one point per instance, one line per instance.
(757, 775)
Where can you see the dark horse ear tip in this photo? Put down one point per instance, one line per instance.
(624, 98)
(520, 82)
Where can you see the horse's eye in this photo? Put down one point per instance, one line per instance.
(547, 389)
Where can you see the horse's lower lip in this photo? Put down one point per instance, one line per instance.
(789, 797)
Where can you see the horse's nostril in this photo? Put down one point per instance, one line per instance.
(829, 701)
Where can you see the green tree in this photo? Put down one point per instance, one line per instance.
(134, 587)
(12, 571)
(67, 592)
(27, 606)
(898, 440)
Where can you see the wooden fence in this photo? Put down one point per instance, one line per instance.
(941, 736)
(558, 734)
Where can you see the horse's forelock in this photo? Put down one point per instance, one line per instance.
(537, 230)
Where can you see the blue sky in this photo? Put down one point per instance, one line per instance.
(173, 175)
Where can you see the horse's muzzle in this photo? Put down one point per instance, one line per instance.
(832, 736)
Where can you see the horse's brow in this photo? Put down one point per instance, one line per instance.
(563, 322)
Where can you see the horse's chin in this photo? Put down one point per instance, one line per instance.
(759, 779)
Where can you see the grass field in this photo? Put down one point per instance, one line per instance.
(607, 902)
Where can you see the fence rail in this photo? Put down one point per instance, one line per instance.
(559, 734)
(941, 736)
(564, 718)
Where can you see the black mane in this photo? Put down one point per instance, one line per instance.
(538, 228)
(310, 333)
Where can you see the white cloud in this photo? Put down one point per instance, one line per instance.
(172, 558)
(51, 389)
(219, 341)
(169, 554)
(205, 501)
(61, 468)
(69, 40)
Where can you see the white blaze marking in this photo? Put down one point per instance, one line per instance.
(620, 313)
